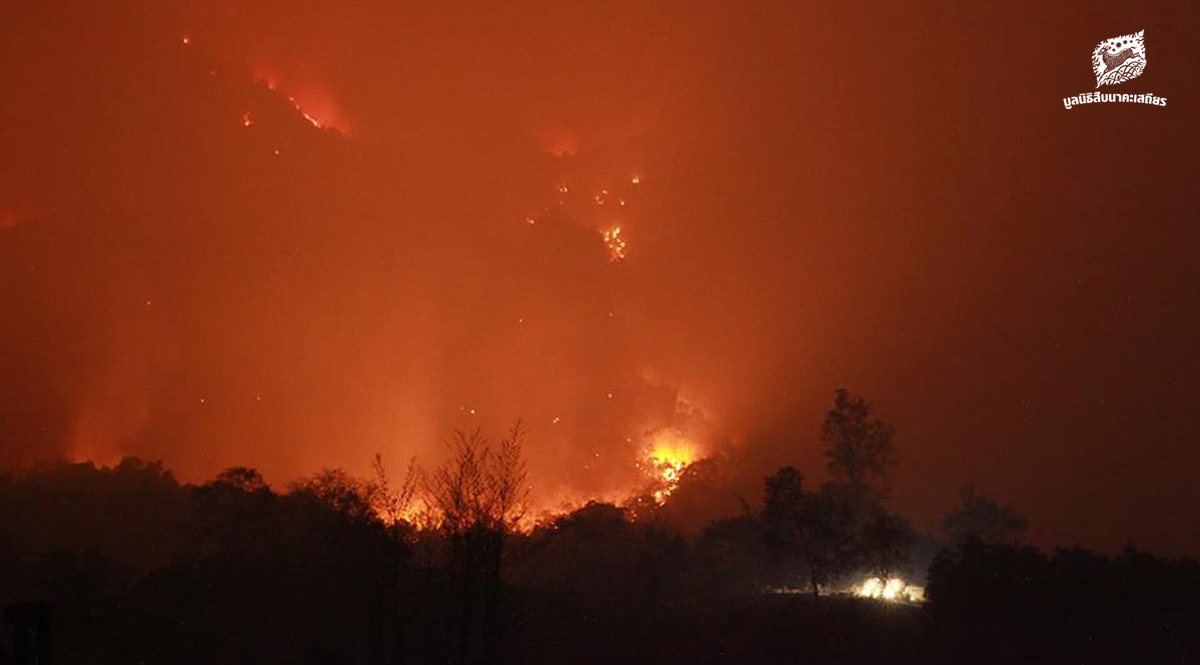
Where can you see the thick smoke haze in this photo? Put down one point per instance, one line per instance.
(289, 237)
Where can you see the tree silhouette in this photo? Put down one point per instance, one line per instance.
(883, 543)
(816, 528)
(479, 495)
(982, 518)
(844, 526)
(393, 503)
(135, 565)
(859, 447)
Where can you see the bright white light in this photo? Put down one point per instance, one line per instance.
(891, 589)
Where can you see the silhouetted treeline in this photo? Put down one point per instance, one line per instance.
(126, 565)
(1018, 604)
(138, 568)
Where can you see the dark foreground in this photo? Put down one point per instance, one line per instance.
(127, 566)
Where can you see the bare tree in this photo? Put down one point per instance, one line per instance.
(480, 487)
(479, 495)
(458, 488)
(393, 503)
(508, 479)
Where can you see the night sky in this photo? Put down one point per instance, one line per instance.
(289, 235)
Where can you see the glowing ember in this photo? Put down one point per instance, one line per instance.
(892, 589)
(186, 41)
(635, 180)
(247, 120)
(616, 244)
(300, 109)
(316, 107)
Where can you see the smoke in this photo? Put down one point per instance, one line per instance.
(241, 287)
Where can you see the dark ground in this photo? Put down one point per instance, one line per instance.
(133, 568)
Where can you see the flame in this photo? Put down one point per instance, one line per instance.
(668, 454)
(300, 109)
(310, 100)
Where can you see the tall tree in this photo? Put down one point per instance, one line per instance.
(858, 445)
(480, 495)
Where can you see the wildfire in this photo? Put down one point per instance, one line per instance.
(310, 102)
(666, 458)
(300, 109)
(616, 244)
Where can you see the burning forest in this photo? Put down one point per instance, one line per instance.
(390, 334)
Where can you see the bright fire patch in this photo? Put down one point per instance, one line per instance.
(666, 458)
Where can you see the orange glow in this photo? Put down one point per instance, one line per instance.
(366, 286)
(310, 99)
(300, 109)
(617, 246)
(668, 454)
